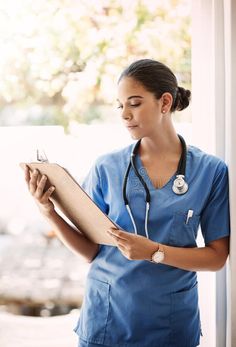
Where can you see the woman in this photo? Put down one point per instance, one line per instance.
(143, 293)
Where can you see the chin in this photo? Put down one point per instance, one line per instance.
(136, 137)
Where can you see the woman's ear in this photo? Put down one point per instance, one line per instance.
(167, 101)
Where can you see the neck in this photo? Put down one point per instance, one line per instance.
(164, 144)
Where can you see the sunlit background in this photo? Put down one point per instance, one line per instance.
(59, 65)
(60, 59)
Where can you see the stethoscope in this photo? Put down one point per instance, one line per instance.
(179, 185)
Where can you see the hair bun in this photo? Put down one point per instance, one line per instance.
(182, 99)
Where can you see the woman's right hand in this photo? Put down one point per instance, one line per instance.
(36, 185)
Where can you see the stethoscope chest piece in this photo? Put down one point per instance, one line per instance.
(179, 185)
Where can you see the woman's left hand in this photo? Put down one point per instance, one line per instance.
(132, 246)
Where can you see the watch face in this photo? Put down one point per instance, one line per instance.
(158, 257)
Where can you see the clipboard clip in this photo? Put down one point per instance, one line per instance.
(41, 156)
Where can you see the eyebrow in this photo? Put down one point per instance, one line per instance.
(133, 96)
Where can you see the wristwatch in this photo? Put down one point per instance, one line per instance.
(159, 255)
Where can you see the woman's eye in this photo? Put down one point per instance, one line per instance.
(135, 105)
(131, 105)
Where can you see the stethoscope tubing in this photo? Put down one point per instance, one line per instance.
(179, 187)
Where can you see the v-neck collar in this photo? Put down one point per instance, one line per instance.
(142, 170)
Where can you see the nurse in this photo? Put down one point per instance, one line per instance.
(144, 291)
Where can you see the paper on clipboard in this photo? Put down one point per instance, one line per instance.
(75, 203)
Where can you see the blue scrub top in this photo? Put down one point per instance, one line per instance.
(136, 303)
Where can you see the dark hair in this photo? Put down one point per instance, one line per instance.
(157, 78)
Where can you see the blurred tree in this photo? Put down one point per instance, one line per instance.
(60, 59)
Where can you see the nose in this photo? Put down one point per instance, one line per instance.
(126, 114)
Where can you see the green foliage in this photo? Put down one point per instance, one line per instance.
(64, 57)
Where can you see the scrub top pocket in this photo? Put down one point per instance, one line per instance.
(93, 317)
(182, 234)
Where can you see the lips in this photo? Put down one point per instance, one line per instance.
(131, 126)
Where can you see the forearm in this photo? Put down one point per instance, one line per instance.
(137, 247)
(193, 259)
(72, 238)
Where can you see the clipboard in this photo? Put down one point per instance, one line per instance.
(75, 203)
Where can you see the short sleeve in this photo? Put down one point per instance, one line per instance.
(93, 187)
(215, 219)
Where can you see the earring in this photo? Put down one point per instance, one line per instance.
(163, 111)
